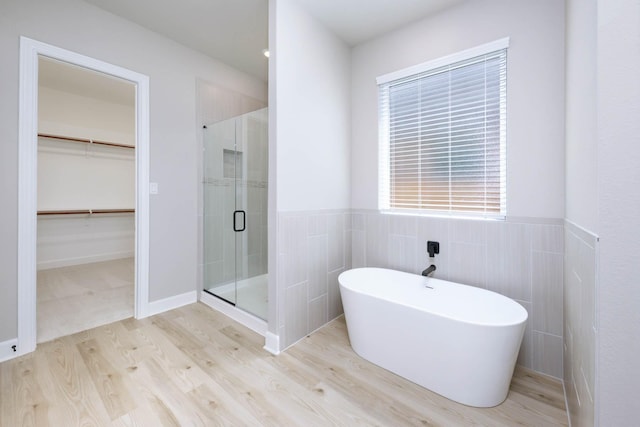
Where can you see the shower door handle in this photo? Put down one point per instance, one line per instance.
(236, 227)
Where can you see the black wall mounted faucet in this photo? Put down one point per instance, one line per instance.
(433, 248)
(427, 271)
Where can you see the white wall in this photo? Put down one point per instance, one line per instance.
(535, 93)
(68, 114)
(602, 175)
(65, 240)
(173, 70)
(581, 115)
(217, 103)
(618, 172)
(313, 113)
(581, 242)
(74, 175)
(309, 125)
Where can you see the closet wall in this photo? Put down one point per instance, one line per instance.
(75, 175)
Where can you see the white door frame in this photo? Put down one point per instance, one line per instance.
(28, 176)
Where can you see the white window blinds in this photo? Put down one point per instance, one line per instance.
(443, 137)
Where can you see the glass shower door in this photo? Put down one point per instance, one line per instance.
(219, 205)
(235, 211)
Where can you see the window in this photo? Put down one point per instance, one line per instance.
(443, 135)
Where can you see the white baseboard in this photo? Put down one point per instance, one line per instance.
(57, 263)
(272, 343)
(166, 304)
(6, 350)
(566, 401)
(252, 322)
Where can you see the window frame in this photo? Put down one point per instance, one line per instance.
(384, 163)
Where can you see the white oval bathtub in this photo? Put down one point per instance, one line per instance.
(459, 341)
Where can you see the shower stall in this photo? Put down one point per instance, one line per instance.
(235, 211)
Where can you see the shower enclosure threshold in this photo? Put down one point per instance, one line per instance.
(249, 320)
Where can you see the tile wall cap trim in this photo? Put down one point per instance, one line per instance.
(535, 220)
(441, 216)
(585, 235)
(314, 212)
(508, 219)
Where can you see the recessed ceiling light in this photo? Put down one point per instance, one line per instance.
(265, 52)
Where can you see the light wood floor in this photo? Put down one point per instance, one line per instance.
(79, 297)
(195, 367)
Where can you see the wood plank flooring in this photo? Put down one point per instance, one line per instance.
(195, 367)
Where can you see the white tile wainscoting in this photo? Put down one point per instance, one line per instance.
(580, 324)
(521, 258)
(313, 249)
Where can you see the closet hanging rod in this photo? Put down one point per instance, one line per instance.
(85, 140)
(86, 212)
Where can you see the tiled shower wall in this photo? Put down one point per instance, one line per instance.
(580, 327)
(522, 259)
(313, 249)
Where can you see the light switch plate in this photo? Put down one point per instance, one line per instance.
(153, 188)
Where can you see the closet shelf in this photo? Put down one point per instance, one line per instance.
(85, 140)
(86, 212)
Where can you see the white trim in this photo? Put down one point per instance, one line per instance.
(27, 179)
(6, 349)
(410, 79)
(27, 195)
(275, 298)
(445, 60)
(250, 321)
(564, 390)
(142, 197)
(272, 343)
(441, 214)
(170, 303)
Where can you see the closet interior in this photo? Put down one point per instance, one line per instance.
(86, 199)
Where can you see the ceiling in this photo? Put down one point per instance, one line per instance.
(236, 31)
(356, 21)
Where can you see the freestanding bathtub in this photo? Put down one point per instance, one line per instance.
(459, 341)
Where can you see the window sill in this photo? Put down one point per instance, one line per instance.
(445, 215)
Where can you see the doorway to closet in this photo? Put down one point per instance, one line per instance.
(30, 53)
(86, 180)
